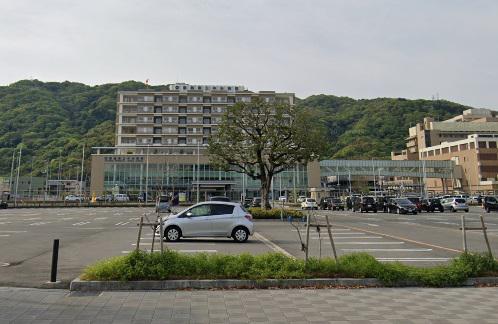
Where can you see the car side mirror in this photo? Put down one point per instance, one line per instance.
(189, 214)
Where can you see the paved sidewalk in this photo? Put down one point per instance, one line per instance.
(406, 305)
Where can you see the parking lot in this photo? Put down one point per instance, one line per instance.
(90, 234)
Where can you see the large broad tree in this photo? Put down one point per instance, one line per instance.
(262, 139)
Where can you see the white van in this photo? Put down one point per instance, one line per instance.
(121, 197)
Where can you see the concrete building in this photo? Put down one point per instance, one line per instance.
(469, 140)
(432, 133)
(161, 141)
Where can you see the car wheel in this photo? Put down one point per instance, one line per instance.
(172, 234)
(240, 234)
(414, 213)
(453, 210)
(488, 210)
(466, 210)
(375, 210)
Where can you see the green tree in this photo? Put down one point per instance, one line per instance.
(262, 139)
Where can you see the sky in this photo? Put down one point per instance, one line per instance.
(355, 48)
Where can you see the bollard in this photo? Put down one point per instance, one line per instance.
(55, 258)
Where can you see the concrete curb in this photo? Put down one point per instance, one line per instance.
(83, 285)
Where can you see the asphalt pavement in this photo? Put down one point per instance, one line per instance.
(90, 234)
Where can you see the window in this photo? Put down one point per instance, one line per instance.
(182, 140)
(454, 148)
(157, 140)
(463, 147)
(487, 156)
(445, 150)
(182, 120)
(206, 131)
(221, 209)
(206, 120)
(482, 145)
(182, 130)
(206, 110)
(158, 120)
(489, 168)
(472, 146)
(182, 110)
(205, 140)
(492, 144)
(199, 211)
(158, 110)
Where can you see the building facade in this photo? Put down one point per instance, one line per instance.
(161, 142)
(469, 140)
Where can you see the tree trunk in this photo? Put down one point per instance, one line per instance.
(265, 190)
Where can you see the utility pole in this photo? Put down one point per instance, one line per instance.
(373, 172)
(82, 169)
(198, 170)
(31, 179)
(12, 170)
(59, 176)
(18, 171)
(147, 175)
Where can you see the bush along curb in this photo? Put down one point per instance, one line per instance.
(82, 285)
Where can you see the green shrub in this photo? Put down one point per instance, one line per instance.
(260, 213)
(173, 265)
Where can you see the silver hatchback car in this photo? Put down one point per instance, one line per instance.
(455, 204)
(210, 219)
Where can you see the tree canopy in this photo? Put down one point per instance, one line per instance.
(262, 139)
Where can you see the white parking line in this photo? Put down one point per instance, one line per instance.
(100, 218)
(81, 223)
(4, 235)
(374, 225)
(272, 245)
(122, 223)
(348, 237)
(13, 231)
(368, 243)
(5, 223)
(387, 250)
(30, 219)
(447, 223)
(197, 251)
(413, 259)
(39, 223)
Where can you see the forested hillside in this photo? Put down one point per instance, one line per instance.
(52, 117)
(364, 129)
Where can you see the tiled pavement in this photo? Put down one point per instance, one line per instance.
(404, 305)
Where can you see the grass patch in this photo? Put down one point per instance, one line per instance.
(173, 265)
(260, 213)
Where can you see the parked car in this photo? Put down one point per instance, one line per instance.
(401, 206)
(455, 204)
(417, 201)
(301, 199)
(73, 198)
(210, 219)
(256, 202)
(325, 203)
(3, 204)
(364, 204)
(163, 204)
(104, 198)
(247, 202)
(309, 203)
(475, 200)
(121, 197)
(431, 205)
(489, 203)
(219, 198)
(282, 198)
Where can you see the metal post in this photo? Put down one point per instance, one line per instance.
(146, 198)
(139, 232)
(55, 259)
(330, 237)
(486, 236)
(161, 233)
(12, 170)
(307, 236)
(464, 235)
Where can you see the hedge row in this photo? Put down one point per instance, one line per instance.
(173, 265)
(259, 213)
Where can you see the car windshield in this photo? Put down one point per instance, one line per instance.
(368, 200)
(336, 200)
(460, 200)
(310, 200)
(434, 201)
(403, 201)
